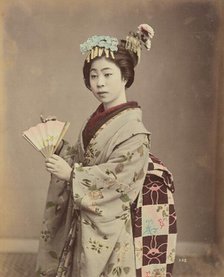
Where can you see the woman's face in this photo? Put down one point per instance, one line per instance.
(106, 83)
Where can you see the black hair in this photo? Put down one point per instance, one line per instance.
(126, 60)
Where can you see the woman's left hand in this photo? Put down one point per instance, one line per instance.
(59, 167)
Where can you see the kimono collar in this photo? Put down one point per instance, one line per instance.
(101, 112)
(100, 116)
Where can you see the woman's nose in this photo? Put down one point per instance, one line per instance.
(100, 82)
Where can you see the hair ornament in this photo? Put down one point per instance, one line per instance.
(133, 43)
(96, 45)
(143, 36)
(146, 33)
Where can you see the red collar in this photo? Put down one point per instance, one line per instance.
(100, 116)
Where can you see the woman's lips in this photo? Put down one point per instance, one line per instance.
(101, 92)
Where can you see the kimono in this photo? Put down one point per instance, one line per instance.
(88, 226)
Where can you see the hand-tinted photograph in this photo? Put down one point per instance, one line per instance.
(111, 138)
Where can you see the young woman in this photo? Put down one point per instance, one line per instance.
(96, 189)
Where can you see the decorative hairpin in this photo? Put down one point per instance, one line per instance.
(143, 36)
(146, 33)
(96, 45)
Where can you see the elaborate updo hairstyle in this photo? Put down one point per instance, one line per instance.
(124, 53)
(126, 60)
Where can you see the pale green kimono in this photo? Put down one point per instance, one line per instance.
(87, 227)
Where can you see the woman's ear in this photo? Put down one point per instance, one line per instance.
(124, 81)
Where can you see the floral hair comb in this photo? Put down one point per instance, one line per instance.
(95, 46)
(143, 36)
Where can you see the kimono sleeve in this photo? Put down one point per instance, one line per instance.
(67, 152)
(106, 190)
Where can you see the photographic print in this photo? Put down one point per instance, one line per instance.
(134, 186)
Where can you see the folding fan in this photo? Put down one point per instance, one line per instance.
(45, 137)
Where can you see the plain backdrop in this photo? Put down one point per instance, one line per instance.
(174, 85)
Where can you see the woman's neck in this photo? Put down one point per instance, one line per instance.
(116, 102)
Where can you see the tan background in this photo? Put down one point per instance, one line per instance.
(177, 85)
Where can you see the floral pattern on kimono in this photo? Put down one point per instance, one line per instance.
(88, 221)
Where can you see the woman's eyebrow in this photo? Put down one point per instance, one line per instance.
(105, 68)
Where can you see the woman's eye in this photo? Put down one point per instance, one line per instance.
(107, 74)
(93, 76)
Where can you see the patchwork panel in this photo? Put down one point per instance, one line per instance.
(155, 223)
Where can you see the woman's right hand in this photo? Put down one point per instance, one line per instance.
(59, 167)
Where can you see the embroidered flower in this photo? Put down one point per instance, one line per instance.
(97, 246)
(109, 183)
(95, 195)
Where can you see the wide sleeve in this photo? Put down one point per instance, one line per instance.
(105, 191)
(67, 152)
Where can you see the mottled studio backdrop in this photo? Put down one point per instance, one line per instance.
(175, 85)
